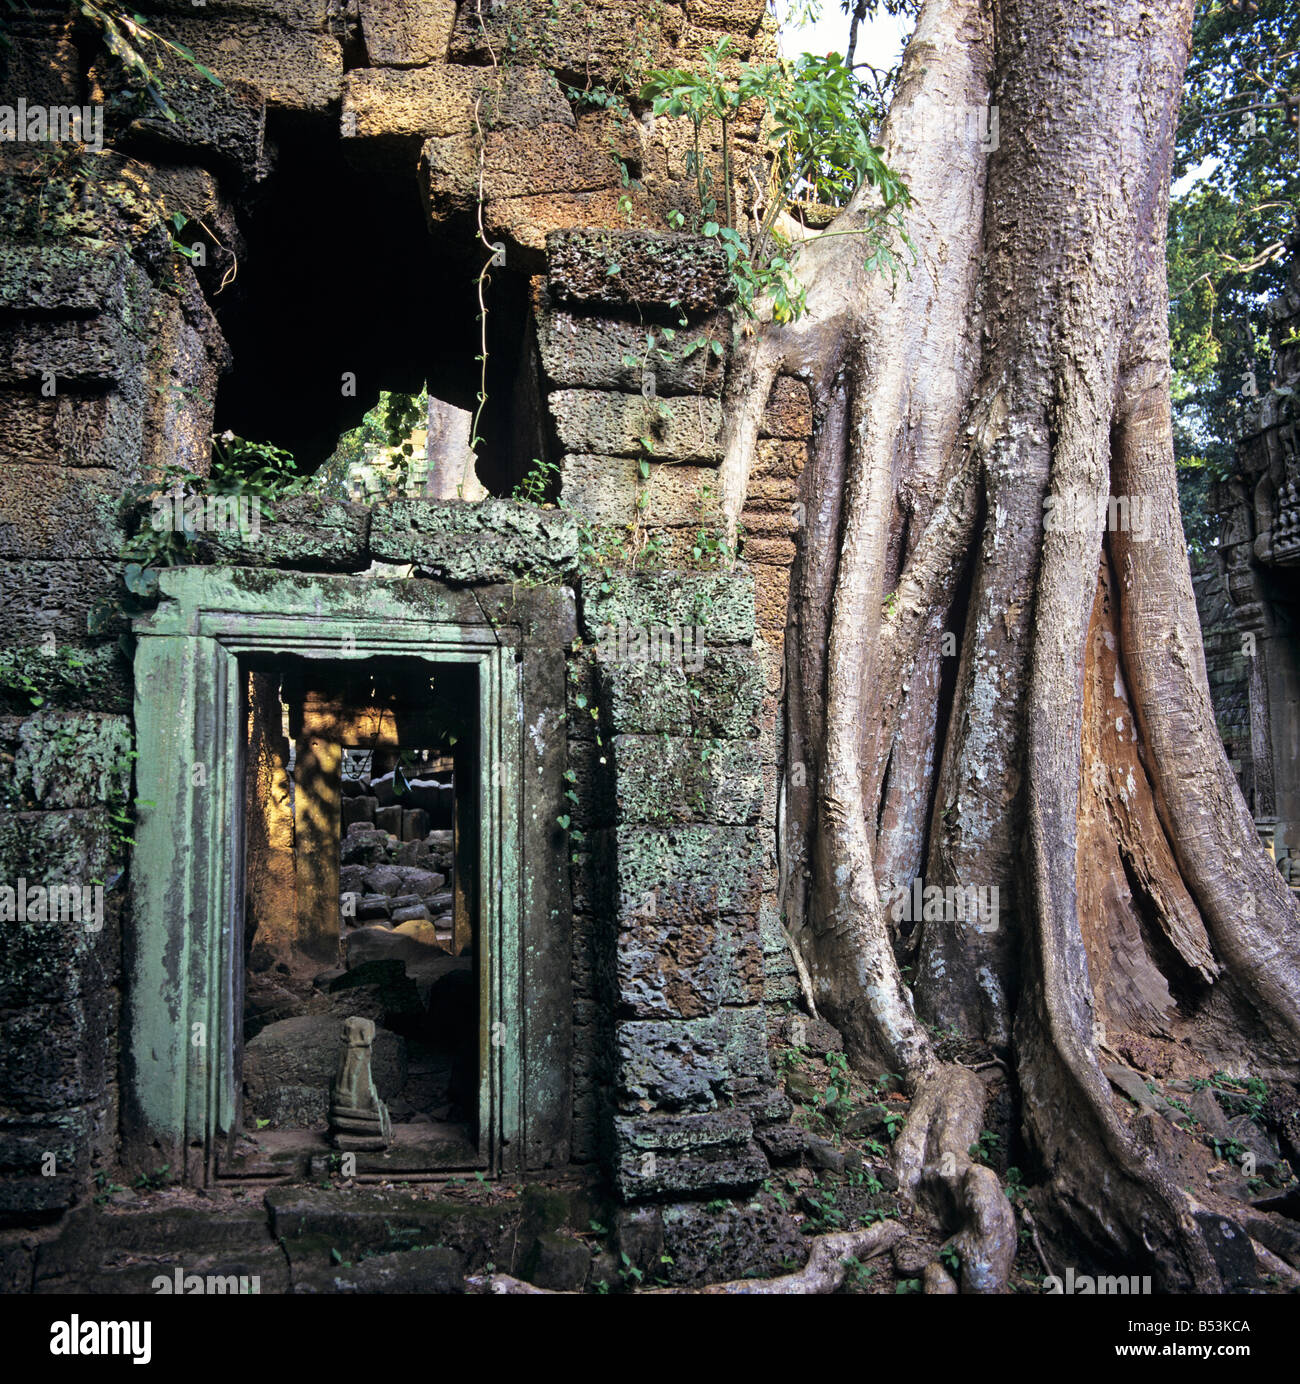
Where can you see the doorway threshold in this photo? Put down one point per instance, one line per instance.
(419, 1150)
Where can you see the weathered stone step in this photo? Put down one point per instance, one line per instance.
(97, 1242)
(429, 1269)
(233, 1273)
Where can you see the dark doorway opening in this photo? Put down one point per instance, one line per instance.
(346, 291)
(362, 786)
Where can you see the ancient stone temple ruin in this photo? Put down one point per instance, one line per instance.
(1249, 594)
(401, 767)
(415, 832)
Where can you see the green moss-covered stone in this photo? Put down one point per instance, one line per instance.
(743, 1033)
(306, 532)
(619, 268)
(699, 868)
(604, 423)
(719, 604)
(27, 1143)
(581, 351)
(60, 278)
(663, 779)
(99, 201)
(73, 846)
(101, 678)
(662, 1154)
(780, 979)
(222, 126)
(75, 759)
(781, 989)
(494, 540)
(721, 698)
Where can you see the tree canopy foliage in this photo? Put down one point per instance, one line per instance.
(1227, 229)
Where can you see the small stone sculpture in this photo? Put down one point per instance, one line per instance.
(358, 1118)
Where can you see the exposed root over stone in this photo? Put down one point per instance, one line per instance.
(825, 1269)
(1279, 1268)
(938, 1282)
(934, 1167)
(823, 1273)
(504, 1283)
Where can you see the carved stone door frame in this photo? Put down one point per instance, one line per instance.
(183, 1028)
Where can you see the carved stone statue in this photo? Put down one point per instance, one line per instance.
(358, 1118)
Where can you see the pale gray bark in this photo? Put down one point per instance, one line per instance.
(1025, 355)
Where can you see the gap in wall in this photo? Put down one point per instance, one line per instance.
(361, 897)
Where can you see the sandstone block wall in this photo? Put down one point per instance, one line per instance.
(115, 346)
(679, 756)
(1248, 593)
(1226, 666)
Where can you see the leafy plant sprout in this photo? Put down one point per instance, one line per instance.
(139, 49)
(816, 122)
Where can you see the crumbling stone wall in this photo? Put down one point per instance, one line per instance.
(101, 351)
(481, 92)
(114, 351)
(1257, 688)
(1227, 668)
(771, 525)
(59, 997)
(676, 757)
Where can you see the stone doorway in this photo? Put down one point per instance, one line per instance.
(361, 894)
(196, 659)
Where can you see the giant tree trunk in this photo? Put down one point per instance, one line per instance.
(1072, 764)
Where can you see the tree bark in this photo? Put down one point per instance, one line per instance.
(976, 423)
